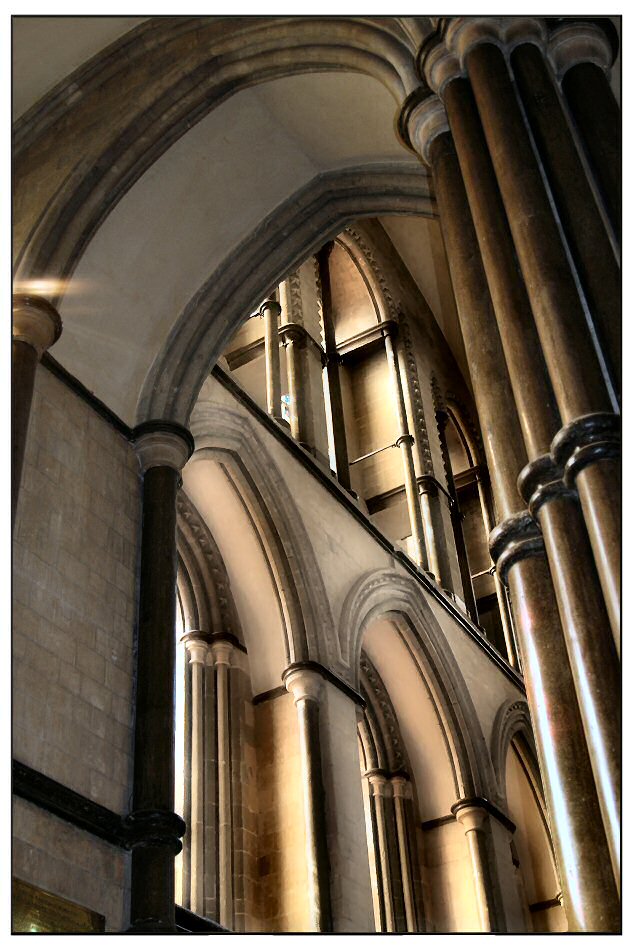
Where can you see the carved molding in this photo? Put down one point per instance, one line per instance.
(381, 721)
(419, 420)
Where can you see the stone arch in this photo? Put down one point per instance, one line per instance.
(387, 593)
(512, 719)
(280, 244)
(227, 436)
(221, 59)
(203, 581)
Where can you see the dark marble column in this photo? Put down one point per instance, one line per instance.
(590, 645)
(332, 370)
(579, 214)
(579, 386)
(153, 829)
(36, 326)
(579, 841)
(582, 54)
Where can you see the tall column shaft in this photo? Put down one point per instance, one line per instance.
(579, 214)
(306, 688)
(36, 326)
(475, 820)
(573, 364)
(295, 344)
(378, 785)
(580, 846)
(599, 123)
(532, 595)
(270, 311)
(197, 651)
(332, 371)
(401, 788)
(405, 441)
(154, 831)
(586, 626)
(222, 655)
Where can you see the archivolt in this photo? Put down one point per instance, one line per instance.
(203, 581)
(513, 718)
(174, 72)
(227, 436)
(388, 593)
(278, 246)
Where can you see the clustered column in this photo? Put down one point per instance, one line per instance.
(36, 326)
(591, 648)
(270, 311)
(209, 754)
(583, 857)
(153, 830)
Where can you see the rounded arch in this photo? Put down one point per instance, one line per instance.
(282, 241)
(387, 593)
(223, 55)
(227, 436)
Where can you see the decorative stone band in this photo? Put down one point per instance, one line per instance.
(270, 305)
(303, 677)
(425, 122)
(36, 322)
(586, 440)
(514, 540)
(161, 443)
(542, 481)
(444, 61)
(484, 806)
(582, 41)
(154, 828)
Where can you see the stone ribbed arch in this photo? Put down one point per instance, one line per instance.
(284, 239)
(381, 739)
(153, 85)
(394, 596)
(203, 581)
(511, 721)
(359, 249)
(228, 437)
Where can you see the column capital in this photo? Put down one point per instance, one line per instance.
(161, 443)
(270, 304)
(401, 786)
(304, 683)
(379, 783)
(222, 651)
(471, 812)
(580, 41)
(464, 33)
(311, 666)
(424, 123)
(197, 644)
(513, 540)
(293, 332)
(35, 322)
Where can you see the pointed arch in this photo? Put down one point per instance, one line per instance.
(225, 435)
(387, 593)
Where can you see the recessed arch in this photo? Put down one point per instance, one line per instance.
(388, 594)
(226, 436)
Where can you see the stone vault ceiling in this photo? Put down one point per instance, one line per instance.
(204, 196)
